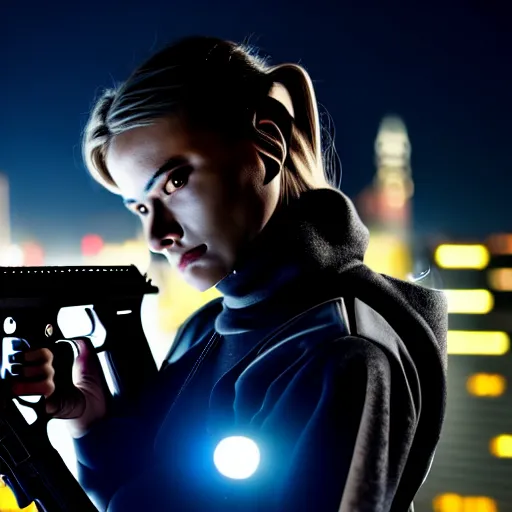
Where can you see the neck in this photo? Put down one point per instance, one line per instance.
(289, 266)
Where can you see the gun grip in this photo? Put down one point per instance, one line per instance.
(64, 354)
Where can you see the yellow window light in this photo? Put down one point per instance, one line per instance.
(501, 446)
(456, 503)
(486, 384)
(478, 343)
(500, 279)
(462, 256)
(479, 504)
(448, 503)
(469, 301)
(389, 255)
(500, 244)
(8, 501)
(178, 300)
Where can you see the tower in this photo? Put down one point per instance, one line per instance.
(393, 181)
(385, 205)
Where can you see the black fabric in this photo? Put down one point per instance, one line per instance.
(344, 421)
(294, 263)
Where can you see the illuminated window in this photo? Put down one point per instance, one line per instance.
(486, 384)
(469, 301)
(500, 279)
(448, 503)
(92, 245)
(490, 343)
(388, 254)
(501, 446)
(178, 300)
(461, 256)
(8, 500)
(34, 255)
(500, 244)
(456, 503)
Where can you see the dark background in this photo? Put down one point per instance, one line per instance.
(445, 70)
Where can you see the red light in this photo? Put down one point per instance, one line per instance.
(33, 255)
(92, 245)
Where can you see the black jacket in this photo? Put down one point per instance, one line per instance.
(338, 374)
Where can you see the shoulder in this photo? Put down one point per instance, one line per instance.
(194, 329)
(356, 359)
(327, 330)
(341, 374)
(319, 346)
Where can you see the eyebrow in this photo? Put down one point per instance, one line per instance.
(169, 164)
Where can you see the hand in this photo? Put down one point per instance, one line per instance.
(74, 391)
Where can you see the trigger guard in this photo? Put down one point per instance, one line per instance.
(74, 346)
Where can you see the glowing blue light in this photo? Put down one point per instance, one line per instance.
(237, 457)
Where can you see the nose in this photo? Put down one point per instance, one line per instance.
(164, 230)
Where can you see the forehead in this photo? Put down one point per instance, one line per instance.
(134, 156)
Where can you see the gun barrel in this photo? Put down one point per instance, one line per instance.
(37, 281)
(76, 285)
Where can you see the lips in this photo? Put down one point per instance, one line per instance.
(191, 256)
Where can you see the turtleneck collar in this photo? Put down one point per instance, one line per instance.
(290, 264)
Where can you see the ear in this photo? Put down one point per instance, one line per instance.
(273, 123)
(300, 93)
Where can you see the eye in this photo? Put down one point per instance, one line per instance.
(178, 179)
(141, 209)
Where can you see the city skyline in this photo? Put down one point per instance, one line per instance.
(392, 151)
(452, 91)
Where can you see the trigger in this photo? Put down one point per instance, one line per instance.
(74, 346)
(92, 318)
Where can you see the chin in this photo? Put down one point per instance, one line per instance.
(202, 279)
(201, 286)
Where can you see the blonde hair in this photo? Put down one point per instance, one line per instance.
(207, 79)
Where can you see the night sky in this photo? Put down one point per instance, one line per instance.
(446, 71)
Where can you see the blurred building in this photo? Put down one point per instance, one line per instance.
(27, 254)
(472, 470)
(5, 218)
(385, 205)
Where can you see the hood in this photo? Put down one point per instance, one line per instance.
(291, 264)
(313, 250)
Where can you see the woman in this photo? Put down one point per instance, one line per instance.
(336, 372)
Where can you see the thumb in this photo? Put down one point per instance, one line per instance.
(85, 398)
(86, 361)
(88, 374)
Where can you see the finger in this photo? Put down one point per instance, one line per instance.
(45, 388)
(85, 348)
(34, 372)
(87, 361)
(38, 356)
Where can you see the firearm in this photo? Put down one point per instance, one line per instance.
(30, 301)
